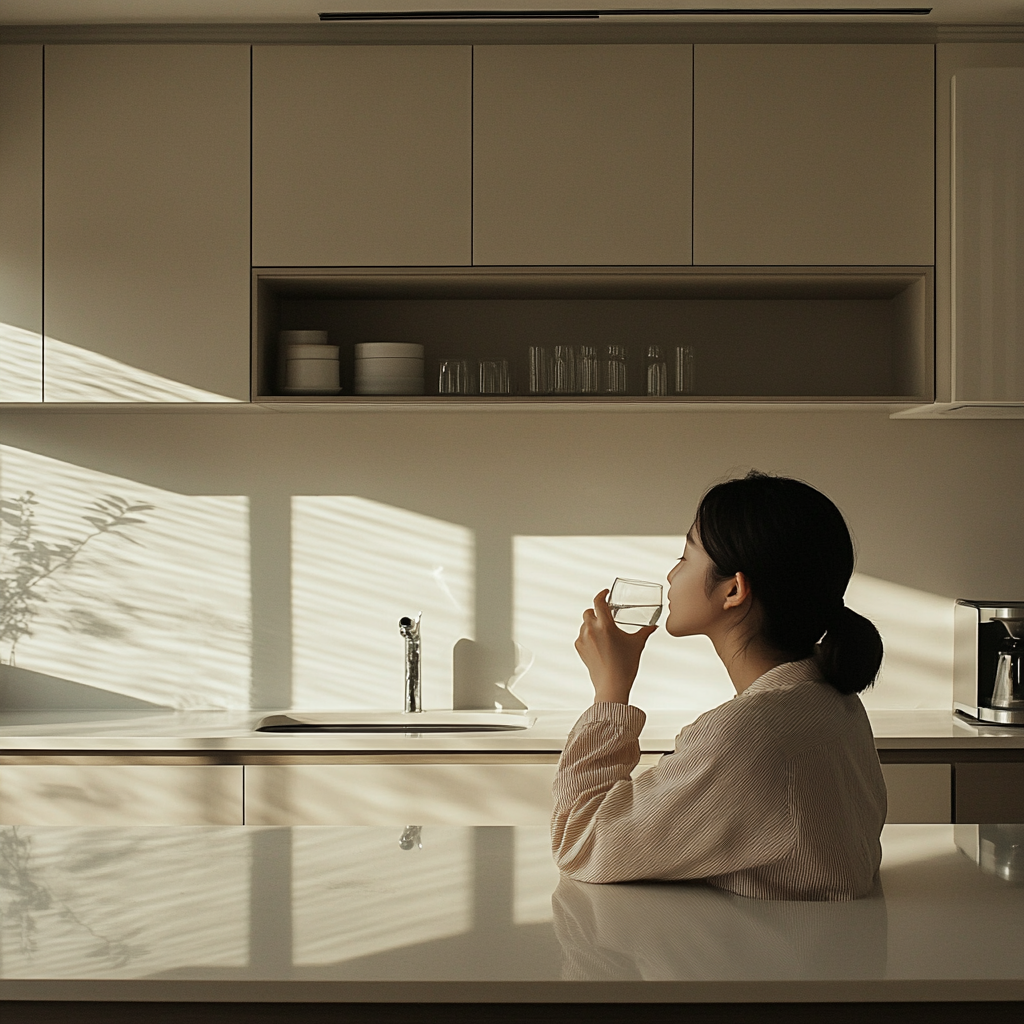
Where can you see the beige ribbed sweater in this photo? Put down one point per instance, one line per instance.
(776, 794)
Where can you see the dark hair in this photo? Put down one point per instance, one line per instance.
(793, 545)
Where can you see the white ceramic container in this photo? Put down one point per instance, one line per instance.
(312, 368)
(389, 368)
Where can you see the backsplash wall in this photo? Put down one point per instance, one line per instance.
(282, 548)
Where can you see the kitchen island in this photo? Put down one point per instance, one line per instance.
(450, 915)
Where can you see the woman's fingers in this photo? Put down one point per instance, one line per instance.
(601, 609)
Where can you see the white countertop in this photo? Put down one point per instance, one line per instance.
(478, 914)
(232, 732)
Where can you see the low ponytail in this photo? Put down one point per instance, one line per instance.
(794, 547)
(850, 652)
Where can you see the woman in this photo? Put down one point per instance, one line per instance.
(776, 794)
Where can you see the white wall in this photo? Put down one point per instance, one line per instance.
(499, 526)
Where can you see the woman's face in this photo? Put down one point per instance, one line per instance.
(690, 610)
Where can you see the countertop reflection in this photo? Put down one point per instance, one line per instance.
(446, 907)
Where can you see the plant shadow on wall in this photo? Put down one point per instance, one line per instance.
(29, 566)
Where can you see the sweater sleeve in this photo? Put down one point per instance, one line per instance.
(720, 803)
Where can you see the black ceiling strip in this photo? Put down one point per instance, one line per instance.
(616, 12)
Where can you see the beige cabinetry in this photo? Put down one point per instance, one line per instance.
(361, 155)
(581, 154)
(986, 218)
(457, 793)
(813, 154)
(21, 223)
(120, 794)
(918, 793)
(146, 264)
(990, 793)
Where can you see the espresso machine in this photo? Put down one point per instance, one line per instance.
(988, 649)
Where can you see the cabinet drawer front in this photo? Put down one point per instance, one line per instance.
(120, 795)
(384, 794)
(990, 794)
(918, 793)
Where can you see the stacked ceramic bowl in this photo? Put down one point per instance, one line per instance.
(389, 368)
(311, 366)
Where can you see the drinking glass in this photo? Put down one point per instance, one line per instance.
(657, 372)
(494, 379)
(540, 370)
(565, 370)
(453, 378)
(686, 383)
(635, 602)
(587, 370)
(614, 377)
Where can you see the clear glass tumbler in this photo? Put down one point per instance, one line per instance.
(635, 602)
(613, 379)
(686, 379)
(656, 375)
(453, 377)
(565, 370)
(540, 368)
(494, 378)
(588, 370)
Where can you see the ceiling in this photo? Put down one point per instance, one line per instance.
(39, 12)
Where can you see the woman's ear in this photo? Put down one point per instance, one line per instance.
(738, 592)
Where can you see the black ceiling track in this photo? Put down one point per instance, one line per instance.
(623, 12)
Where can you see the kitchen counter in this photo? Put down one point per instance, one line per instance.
(480, 915)
(229, 734)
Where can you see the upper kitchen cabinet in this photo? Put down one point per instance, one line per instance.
(146, 265)
(362, 155)
(988, 235)
(813, 154)
(581, 155)
(21, 223)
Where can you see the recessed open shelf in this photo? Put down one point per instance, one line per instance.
(791, 334)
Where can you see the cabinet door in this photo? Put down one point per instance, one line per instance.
(952, 59)
(988, 234)
(990, 794)
(120, 795)
(147, 223)
(811, 154)
(918, 793)
(399, 794)
(361, 155)
(21, 223)
(581, 154)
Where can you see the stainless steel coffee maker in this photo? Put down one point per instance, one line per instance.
(988, 649)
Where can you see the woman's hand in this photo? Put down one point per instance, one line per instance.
(612, 655)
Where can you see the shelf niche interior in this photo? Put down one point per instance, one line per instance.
(787, 334)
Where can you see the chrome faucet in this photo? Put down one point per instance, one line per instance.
(412, 838)
(410, 630)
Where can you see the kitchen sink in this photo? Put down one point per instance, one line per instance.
(394, 721)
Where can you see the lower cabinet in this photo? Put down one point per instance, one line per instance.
(918, 793)
(990, 793)
(120, 794)
(464, 793)
(390, 794)
(461, 793)
(489, 794)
